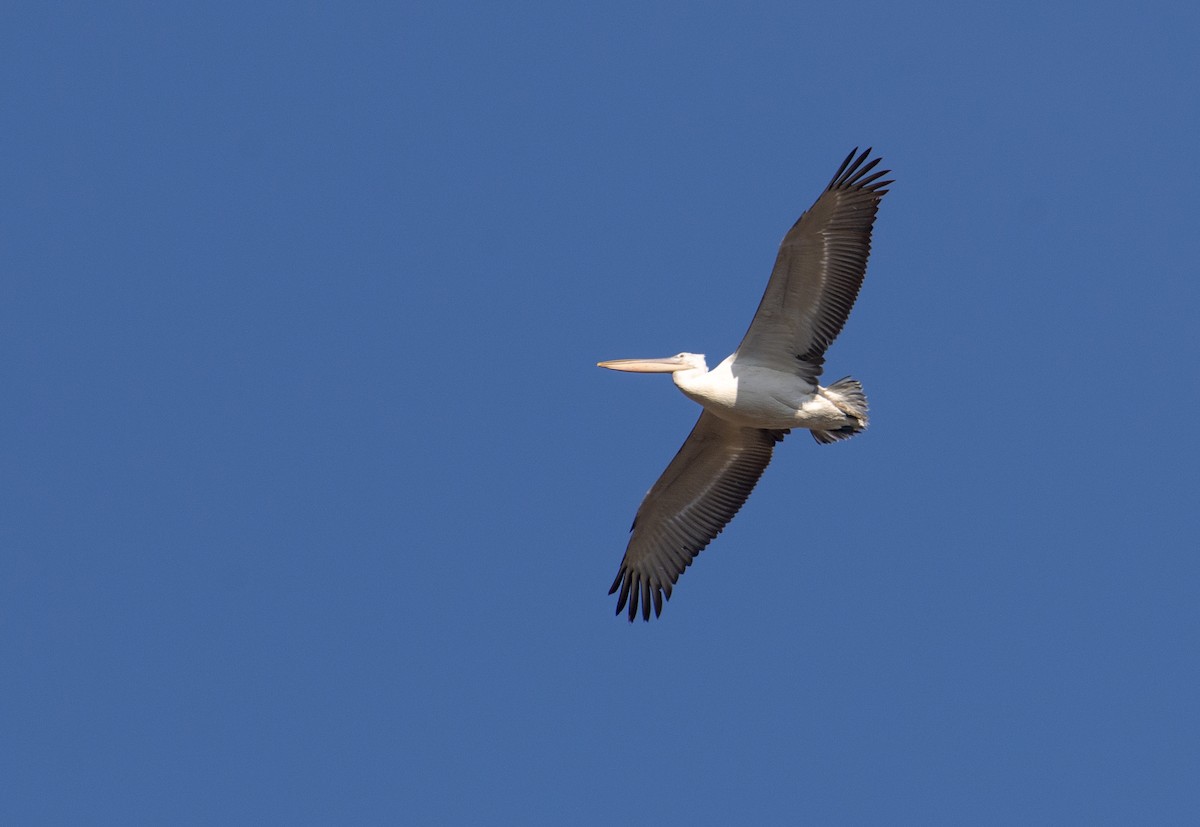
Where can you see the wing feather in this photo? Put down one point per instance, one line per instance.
(697, 495)
(818, 273)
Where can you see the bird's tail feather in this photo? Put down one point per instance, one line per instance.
(848, 395)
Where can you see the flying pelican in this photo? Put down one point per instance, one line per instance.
(759, 393)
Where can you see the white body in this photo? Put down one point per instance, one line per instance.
(761, 397)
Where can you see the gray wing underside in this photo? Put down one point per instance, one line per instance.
(817, 274)
(701, 490)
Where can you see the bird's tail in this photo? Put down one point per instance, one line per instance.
(847, 394)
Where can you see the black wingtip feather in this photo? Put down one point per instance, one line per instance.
(639, 591)
(842, 168)
(853, 173)
(624, 579)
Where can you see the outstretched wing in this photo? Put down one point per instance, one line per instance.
(702, 488)
(818, 273)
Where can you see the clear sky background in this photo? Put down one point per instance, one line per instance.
(313, 492)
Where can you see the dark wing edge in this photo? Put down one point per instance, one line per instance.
(697, 495)
(820, 268)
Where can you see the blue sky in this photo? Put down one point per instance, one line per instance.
(313, 492)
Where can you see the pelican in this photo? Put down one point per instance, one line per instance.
(767, 387)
